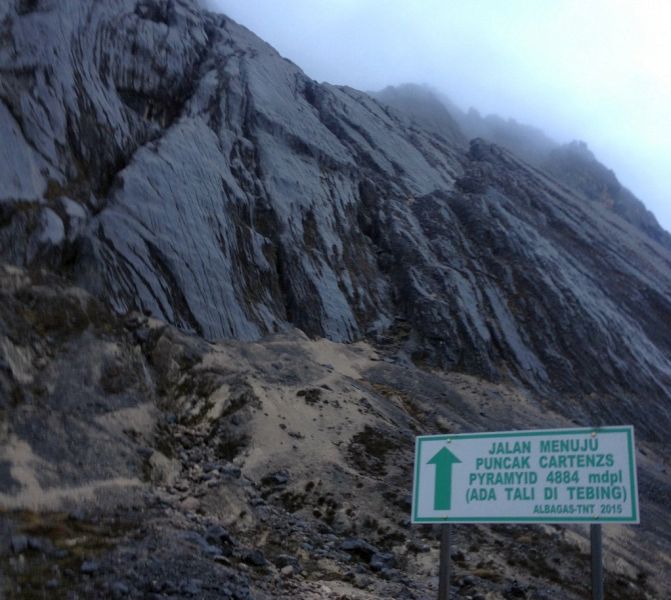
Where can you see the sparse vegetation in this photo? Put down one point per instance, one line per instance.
(56, 547)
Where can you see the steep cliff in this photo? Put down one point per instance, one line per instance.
(575, 165)
(232, 295)
(170, 161)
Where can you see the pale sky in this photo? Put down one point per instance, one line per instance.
(596, 70)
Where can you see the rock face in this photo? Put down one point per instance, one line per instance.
(572, 164)
(575, 165)
(168, 180)
(137, 461)
(427, 109)
(169, 161)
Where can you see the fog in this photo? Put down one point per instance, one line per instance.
(594, 70)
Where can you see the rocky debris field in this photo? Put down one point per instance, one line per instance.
(171, 467)
(169, 161)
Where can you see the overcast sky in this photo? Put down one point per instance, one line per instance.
(596, 70)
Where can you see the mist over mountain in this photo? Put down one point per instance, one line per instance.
(231, 297)
(572, 163)
(577, 70)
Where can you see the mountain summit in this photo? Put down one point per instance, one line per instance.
(173, 192)
(173, 163)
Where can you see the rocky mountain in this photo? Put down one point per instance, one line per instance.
(232, 295)
(575, 164)
(572, 164)
(428, 109)
(435, 111)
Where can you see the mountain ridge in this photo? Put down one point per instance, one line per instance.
(210, 262)
(571, 163)
(307, 206)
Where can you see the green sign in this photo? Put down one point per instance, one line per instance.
(542, 476)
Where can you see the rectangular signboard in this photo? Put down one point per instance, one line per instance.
(541, 476)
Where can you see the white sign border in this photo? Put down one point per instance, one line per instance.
(634, 518)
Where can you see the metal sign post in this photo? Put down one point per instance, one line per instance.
(444, 568)
(578, 475)
(597, 561)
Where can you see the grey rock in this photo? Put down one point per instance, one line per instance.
(271, 201)
(145, 452)
(382, 561)
(189, 504)
(515, 590)
(254, 558)
(283, 560)
(174, 165)
(359, 547)
(216, 534)
(457, 555)
(191, 587)
(89, 567)
(231, 471)
(40, 544)
(193, 537)
(119, 589)
(362, 581)
(418, 547)
(276, 479)
(19, 543)
(575, 165)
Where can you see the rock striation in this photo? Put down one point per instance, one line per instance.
(169, 161)
(572, 164)
(575, 165)
(230, 296)
(172, 162)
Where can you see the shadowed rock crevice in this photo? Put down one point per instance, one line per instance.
(163, 111)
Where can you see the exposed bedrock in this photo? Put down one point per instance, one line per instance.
(169, 161)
